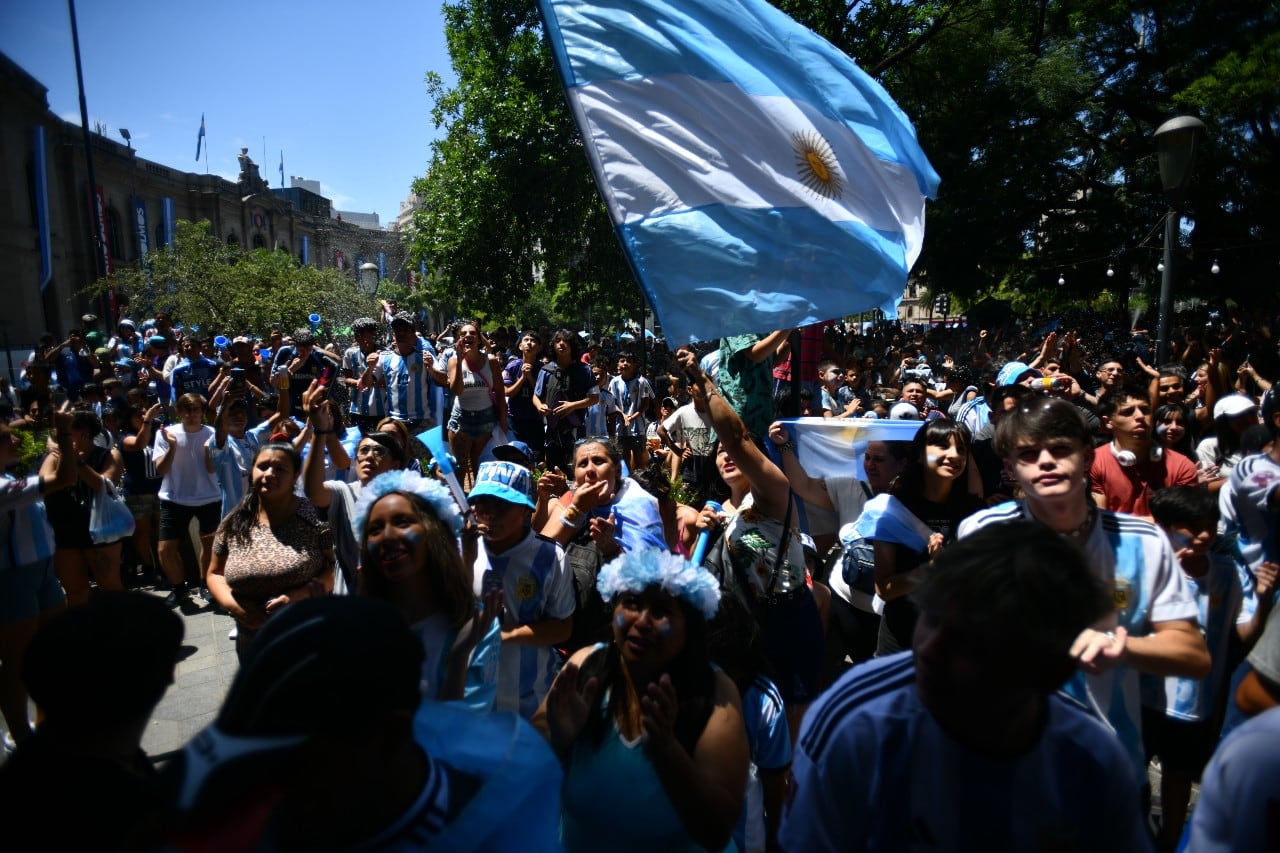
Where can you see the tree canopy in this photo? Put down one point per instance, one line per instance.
(226, 290)
(1038, 115)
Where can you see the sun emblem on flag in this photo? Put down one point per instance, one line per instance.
(816, 164)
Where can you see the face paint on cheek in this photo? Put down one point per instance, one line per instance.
(619, 619)
(934, 458)
(665, 629)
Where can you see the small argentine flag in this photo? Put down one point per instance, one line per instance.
(200, 137)
(757, 178)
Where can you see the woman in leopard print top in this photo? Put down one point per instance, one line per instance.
(273, 548)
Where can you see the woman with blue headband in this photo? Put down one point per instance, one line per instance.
(407, 526)
(651, 735)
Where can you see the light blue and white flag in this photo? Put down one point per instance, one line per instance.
(757, 178)
(200, 137)
(831, 447)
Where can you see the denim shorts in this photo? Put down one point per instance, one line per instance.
(476, 424)
(27, 591)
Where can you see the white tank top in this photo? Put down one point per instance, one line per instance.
(475, 395)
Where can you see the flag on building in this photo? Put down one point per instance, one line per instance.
(282, 169)
(200, 137)
(756, 177)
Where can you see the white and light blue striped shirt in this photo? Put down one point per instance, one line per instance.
(231, 464)
(408, 383)
(371, 402)
(24, 528)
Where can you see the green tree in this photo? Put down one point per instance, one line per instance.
(511, 217)
(227, 290)
(1037, 114)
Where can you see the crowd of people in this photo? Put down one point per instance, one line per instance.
(533, 589)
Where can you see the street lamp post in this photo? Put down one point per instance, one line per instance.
(138, 239)
(369, 277)
(1176, 139)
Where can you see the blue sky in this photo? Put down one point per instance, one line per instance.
(338, 87)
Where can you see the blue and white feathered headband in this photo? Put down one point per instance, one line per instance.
(636, 570)
(433, 492)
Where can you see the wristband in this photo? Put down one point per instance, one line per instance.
(788, 445)
(572, 518)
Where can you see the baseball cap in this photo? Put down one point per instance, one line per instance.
(127, 322)
(158, 341)
(240, 339)
(514, 451)
(1014, 371)
(904, 411)
(506, 481)
(670, 402)
(402, 317)
(1232, 405)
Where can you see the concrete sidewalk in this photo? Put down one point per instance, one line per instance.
(206, 666)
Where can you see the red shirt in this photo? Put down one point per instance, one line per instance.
(1130, 489)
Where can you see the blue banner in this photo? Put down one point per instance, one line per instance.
(382, 265)
(140, 227)
(166, 213)
(41, 168)
(306, 250)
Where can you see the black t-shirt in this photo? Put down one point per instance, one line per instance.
(310, 370)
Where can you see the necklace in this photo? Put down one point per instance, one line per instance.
(1085, 526)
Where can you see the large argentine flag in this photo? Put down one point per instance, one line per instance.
(758, 179)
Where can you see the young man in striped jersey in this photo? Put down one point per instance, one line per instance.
(368, 401)
(1046, 447)
(965, 743)
(409, 373)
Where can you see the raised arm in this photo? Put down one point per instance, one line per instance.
(769, 485)
(811, 490)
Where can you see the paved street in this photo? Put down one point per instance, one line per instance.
(206, 666)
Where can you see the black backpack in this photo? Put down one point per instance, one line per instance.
(591, 613)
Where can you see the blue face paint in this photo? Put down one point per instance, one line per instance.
(665, 628)
(619, 619)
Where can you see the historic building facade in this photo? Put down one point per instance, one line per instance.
(48, 249)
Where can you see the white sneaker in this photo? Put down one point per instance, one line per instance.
(233, 633)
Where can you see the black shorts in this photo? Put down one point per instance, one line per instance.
(176, 518)
(1181, 744)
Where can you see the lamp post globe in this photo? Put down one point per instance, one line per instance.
(1176, 143)
(369, 277)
